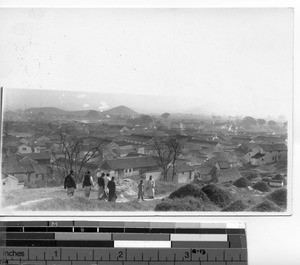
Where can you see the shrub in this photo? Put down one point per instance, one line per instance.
(236, 206)
(163, 187)
(266, 206)
(278, 177)
(185, 204)
(242, 183)
(261, 186)
(279, 197)
(189, 190)
(217, 195)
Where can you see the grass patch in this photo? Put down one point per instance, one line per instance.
(86, 204)
(185, 204)
(279, 197)
(163, 187)
(236, 206)
(190, 190)
(218, 196)
(266, 206)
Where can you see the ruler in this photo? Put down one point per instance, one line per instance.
(122, 243)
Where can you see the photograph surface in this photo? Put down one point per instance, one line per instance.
(146, 110)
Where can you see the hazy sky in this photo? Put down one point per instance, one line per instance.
(226, 61)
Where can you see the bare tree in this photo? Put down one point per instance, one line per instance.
(168, 150)
(73, 153)
(164, 155)
(175, 147)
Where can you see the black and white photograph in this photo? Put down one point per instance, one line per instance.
(156, 110)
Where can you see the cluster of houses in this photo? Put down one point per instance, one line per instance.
(206, 156)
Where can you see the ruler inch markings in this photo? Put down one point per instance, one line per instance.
(127, 243)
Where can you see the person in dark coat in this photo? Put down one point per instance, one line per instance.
(101, 187)
(112, 196)
(87, 184)
(70, 184)
(141, 191)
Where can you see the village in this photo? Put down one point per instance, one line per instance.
(40, 146)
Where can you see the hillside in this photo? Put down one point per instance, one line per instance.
(47, 110)
(50, 111)
(121, 111)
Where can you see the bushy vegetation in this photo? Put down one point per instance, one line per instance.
(261, 186)
(266, 206)
(189, 190)
(218, 196)
(278, 177)
(185, 204)
(163, 187)
(236, 206)
(242, 183)
(279, 197)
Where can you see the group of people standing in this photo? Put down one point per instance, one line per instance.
(106, 190)
(149, 189)
(106, 186)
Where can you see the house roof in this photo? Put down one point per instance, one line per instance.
(270, 139)
(202, 142)
(9, 176)
(258, 155)
(129, 162)
(122, 143)
(41, 144)
(139, 137)
(223, 164)
(229, 175)
(15, 168)
(37, 156)
(184, 168)
(205, 170)
(240, 139)
(273, 147)
(39, 169)
(134, 154)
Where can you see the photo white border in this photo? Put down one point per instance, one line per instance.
(162, 4)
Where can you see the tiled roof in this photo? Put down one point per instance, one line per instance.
(258, 155)
(223, 164)
(39, 169)
(202, 142)
(205, 170)
(273, 147)
(228, 175)
(15, 168)
(37, 156)
(122, 143)
(129, 162)
(184, 168)
(138, 138)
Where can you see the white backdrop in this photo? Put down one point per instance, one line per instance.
(271, 240)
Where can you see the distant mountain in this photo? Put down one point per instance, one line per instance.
(46, 111)
(50, 111)
(121, 111)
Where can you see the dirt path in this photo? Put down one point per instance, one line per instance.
(124, 199)
(26, 203)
